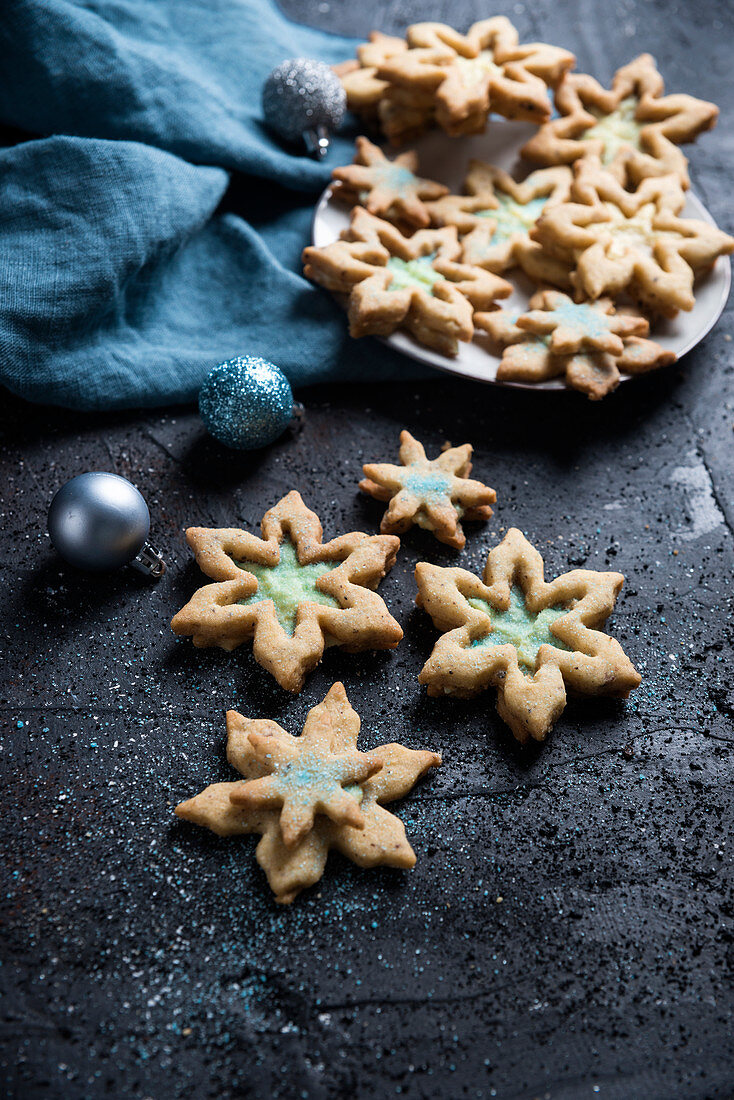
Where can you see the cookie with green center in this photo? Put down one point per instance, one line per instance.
(634, 128)
(392, 281)
(528, 354)
(432, 493)
(496, 214)
(630, 241)
(289, 592)
(388, 188)
(526, 637)
(470, 75)
(308, 794)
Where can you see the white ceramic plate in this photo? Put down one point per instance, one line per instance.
(446, 160)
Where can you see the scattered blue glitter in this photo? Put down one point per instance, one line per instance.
(585, 320)
(431, 487)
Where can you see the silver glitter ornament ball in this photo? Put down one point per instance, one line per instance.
(100, 521)
(304, 99)
(246, 402)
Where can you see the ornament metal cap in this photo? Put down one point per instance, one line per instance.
(150, 561)
(317, 142)
(99, 521)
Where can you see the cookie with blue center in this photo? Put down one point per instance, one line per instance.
(580, 326)
(305, 795)
(587, 344)
(633, 128)
(435, 493)
(289, 592)
(388, 188)
(526, 637)
(390, 281)
(494, 217)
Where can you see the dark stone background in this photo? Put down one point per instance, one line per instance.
(145, 957)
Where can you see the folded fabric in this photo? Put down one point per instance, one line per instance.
(124, 277)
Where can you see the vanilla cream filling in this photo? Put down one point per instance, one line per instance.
(618, 130)
(636, 232)
(472, 70)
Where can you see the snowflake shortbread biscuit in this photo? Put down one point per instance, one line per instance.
(289, 592)
(496, 214)
(527, 638)
(402, 114)
(432, 493)
(307, 794)
(633, 128)
(393, 281)
(387, 188)
(586, 343)
(630, 241)
(473, 74)
(359, 77)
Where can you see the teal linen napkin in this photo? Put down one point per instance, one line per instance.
(159, 231)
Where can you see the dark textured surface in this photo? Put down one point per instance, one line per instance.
(145, 958)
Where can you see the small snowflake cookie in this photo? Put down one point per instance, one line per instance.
(432, 493)
(387, 188)
(307, 794)
(526, 637)
(289, 592)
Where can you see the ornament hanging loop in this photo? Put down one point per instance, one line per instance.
(317, 142)
(298, 418)
(150, 561)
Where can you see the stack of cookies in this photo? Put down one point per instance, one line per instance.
(436, 76)
(597, 228)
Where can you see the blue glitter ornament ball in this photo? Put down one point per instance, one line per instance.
(246, 403)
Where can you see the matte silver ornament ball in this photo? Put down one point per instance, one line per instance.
(304, 99)
(99, 521)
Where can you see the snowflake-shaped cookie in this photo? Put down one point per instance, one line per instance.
(388, 188)
(404, 282)
(432, 493)
(473, 74)
(308, 794)
(630, 241)
(359, 77)
(289, 591)
(403, 114)
(526, 637)
(586, 343)
(496, 214)
(633, 128)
